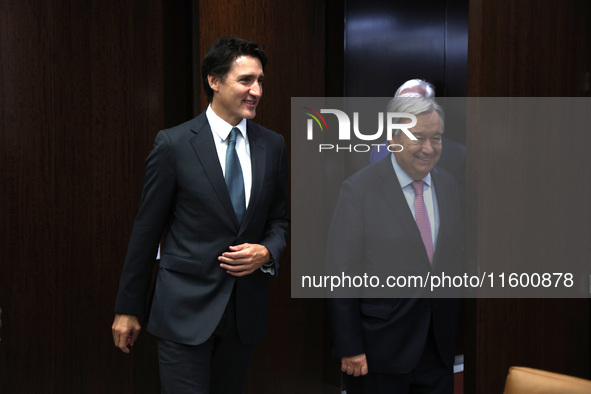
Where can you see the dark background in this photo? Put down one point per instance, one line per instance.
(86, 85)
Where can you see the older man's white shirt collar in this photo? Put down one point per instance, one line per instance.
(403, 178)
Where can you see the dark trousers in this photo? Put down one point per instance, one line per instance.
(218, 366)
(430, 376)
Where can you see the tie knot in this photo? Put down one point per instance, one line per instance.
(418, 186)
(233, 135)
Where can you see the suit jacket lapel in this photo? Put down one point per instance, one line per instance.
(394, 197)
(258, 161)
(205, 149)
(443, 195)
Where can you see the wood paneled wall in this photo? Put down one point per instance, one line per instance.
(527, 48)
(84, 87)
(81, 95)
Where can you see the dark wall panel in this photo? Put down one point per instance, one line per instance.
(518, 206)
(84, 87)
(81, 95)
(529, 48)
(389, 42)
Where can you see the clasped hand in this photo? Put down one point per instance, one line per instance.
(244, 259)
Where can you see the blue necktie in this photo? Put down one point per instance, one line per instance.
(234, 179)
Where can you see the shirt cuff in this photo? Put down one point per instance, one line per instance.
(269, 267)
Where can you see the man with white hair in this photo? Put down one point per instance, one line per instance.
(453, 156)
(403, 216)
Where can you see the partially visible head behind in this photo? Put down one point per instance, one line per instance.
(415, 104)
(418, 158)
(419, 86)
(220, 57)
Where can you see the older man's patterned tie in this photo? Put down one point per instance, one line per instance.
(422, 219)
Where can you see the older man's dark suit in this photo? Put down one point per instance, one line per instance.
(185, 193)
(373, 228)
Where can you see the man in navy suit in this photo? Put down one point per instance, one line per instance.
(399, 216)
(216, 187)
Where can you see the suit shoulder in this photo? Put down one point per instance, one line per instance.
(185, 130)
(454, 147)
(370, 174)
(446, 180)
(253, 127)
(443, 175)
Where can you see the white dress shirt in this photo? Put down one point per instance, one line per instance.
(221, 130)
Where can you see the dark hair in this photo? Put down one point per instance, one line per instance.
(222, 53)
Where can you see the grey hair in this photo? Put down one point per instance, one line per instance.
(419, 86)
(415, 104)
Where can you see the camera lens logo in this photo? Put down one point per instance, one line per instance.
(317, 117)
